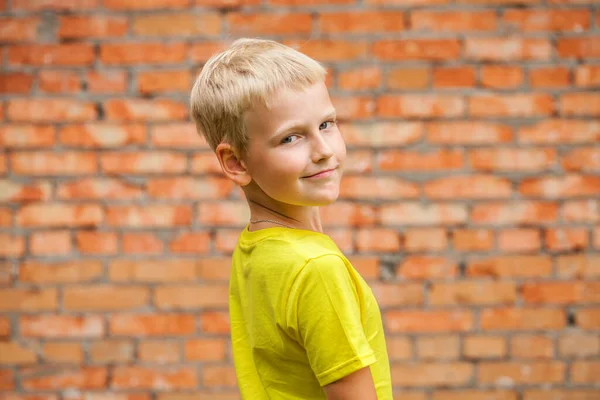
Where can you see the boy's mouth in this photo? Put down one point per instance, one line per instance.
(322, 174)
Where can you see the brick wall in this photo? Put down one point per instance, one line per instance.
(470, 202)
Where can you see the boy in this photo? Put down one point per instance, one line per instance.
(304, 324)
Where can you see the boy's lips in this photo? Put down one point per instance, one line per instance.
(322, 173)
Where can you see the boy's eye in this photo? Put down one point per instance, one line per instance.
(326, 125)
(290, 139)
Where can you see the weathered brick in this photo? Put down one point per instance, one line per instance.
(431, 374)
(16, 83)
(79, 26)
(361, 22)
(548, 20)
(428, 321)
(50, 243)
(17, 29)
(67, 54)
(63, 378)
(149, 216)
(151, 324)
(253, 24)
(142, 53)
(104, 298)
(50, 110)
(522, 319)
(532, 346)
(59, 81)
(61, 326)
(417, 49)
(507, 49)
(534, 372)
(453, 21)
(191, 297)
(177, 24)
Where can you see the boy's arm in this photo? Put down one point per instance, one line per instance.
(356, 386)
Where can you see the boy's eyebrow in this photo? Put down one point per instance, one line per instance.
(331, 113)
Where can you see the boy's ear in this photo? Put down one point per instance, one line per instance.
(232, 164)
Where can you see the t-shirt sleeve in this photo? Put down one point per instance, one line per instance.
(323, 313)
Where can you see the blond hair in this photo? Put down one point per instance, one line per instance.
(247, 72)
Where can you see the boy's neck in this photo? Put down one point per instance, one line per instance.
(268, 214)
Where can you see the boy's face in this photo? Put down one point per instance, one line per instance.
(295, 151)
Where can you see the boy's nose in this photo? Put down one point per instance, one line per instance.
(321, 149)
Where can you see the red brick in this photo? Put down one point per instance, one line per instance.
(532, 346)
(142, 53)
(472, 292)
(581, 211)
(60, 272)
(472, 240)
(417, 49)
(57, 5)
(59, 82)
(189, 188)
(358, 187)
(191, 297)
(215, 322)
(360, 78)
(522, 319)
(214, 376)
(549, 77)
(50, 163)
(16, 82)
(111, 81)
(63, 352)
(426, 268)
(13, 353)
(61, 326)
(471, 187)
(399, 348)
(269, 24)
(431, 374)
(102, 135)
(520, 105)
(453, 77)
(467, 133)
(560, 394)
(556, 131)
(50, 243)
(378, 240)
(6, 217)
(501, 76)
(163, 81)
(122, 5)
(7, 379)
(425, 239)
(560, 239)
(438, 348)
(201, 52)
(428, 321)
(459, 22)
(158, 271)
(104, 298)
(67, 54)
(523, 212)
(507, 49)
(407, 78)
(142, 243)
(159, 352)
(142, 163)
(145, 110)
(588, 318)
(111, 351)
(149, 216)
(17, 29)
(367, 266)
(535, 372)
(205, 349)
(439, 160)
(28, 300)
(57, 215)
(361, 22)
(179, 135)
(587, 76)
(578, 47)
(548, 20)
(422, 214)
(25, 136)
(177, 24)
(151, 324)
(63, 378)
(358, 162)
(53, 110)
(557, 187)
(420, 106)
(578, 266)
(394, 294)
(80, 26)
(329, 50)
(582, 159)
(511, 266)
(519, 240)
(347, 214)
(15, 192)
(578, 345)
(103, 188)
(484, 347)
(382, 134)
(11, 245)
(353, 108)
(4, 328)
(580, 104)
(227, 213)
(479, 394)
(191, 243)
(585, 372)
(512, 159)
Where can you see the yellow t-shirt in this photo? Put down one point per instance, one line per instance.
(301, 317)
